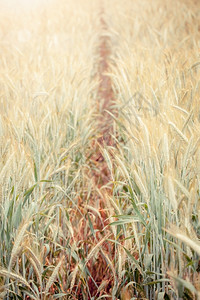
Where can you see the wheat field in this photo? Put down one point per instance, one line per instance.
(91, 211)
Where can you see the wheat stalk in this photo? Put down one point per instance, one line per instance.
(53, 276)
(74, 273)
(16, 248)
(178, 132)
(14, 276)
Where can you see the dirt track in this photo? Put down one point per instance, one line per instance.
(100, 173)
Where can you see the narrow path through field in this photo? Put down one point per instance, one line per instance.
(105, 93)
(105, 98)
(102, 271)
(94, 230)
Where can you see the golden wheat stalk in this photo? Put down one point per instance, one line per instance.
(17, 245)
(14, 276)
(53, 276)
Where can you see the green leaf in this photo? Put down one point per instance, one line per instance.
(125, 219)
(134, 260)
(136, 210)
(28, 192)
(184, 283)
(90, 225)
(17, 215)
(161, 296)
(28, 293)
(35, 172)
(157, 281)
(59, 296)
(48, 181)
